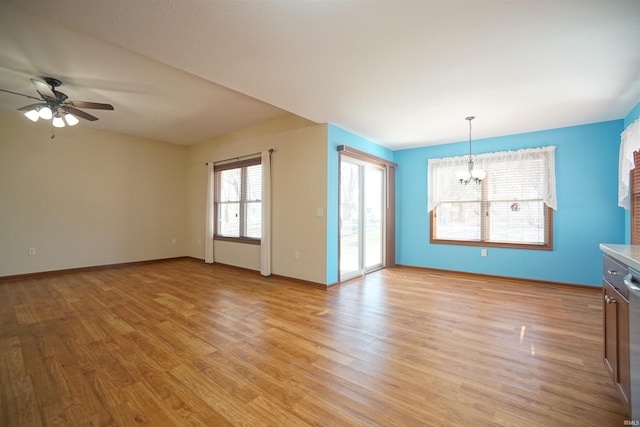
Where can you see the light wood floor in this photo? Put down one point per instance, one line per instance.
(183, 343)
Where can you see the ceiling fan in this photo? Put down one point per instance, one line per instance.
(54, 105)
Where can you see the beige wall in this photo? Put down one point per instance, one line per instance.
(299, 185)
(87, 197)
(92, 198)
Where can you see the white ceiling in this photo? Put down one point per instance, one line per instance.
(398, 72)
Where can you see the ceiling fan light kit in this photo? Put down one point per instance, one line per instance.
(32, 115)
(58, 122)
(45, 113)
(71, 119)
(55, 106)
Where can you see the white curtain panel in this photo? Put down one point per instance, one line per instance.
(209, 226)
(441, 172)
(265, 239)
(630, 142)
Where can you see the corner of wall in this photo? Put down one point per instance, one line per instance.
(632, 116)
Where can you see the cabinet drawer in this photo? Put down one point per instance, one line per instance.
(614, 272)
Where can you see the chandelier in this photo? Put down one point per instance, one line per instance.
(466, 176)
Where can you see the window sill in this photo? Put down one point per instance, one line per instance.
(488, 244)
(237, 240)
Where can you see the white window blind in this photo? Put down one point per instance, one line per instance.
(510, 206)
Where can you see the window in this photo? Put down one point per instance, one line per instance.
(512, 207)
(238, 204)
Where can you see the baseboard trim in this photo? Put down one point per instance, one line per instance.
(461, 274)
(41, 274)
(504, 279)
(50, 273)
(273, 276)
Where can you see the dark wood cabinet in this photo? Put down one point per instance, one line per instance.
(610, 330)
(616, 327)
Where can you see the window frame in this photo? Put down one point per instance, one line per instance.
(242, 165)
(439, 182)
(484, 224)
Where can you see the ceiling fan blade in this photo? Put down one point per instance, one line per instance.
(31, 107)
(81, 114)
(18, 93)
(94, 105)
(44, 90)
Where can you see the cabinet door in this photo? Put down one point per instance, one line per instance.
(610, 329)
(616, 339)
(623, 377)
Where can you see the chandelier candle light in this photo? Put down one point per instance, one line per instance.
(465, 176)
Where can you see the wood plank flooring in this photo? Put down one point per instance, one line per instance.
(181, 343)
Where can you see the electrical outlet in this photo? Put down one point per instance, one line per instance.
(296, 255)
(173, 241)
(32, 251)
(483, 252)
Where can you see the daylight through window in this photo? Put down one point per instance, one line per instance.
(511, 207)
(238, 204)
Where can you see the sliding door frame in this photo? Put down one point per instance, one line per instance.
(389, 207)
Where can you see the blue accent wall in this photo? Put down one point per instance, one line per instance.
(633, 115)
(587, 215)
(337, 136)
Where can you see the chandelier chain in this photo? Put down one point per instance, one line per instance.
(469, 118)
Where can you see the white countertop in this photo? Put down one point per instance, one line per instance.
(627, 254)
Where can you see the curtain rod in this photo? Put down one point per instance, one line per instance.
(365, 156)
(237, 159)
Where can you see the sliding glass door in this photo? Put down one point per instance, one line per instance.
(361, 217)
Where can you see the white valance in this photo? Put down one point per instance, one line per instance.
(629, 142)
(535, 166)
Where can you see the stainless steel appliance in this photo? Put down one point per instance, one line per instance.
(632, 281)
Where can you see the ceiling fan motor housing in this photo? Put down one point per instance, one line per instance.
(53, 82)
